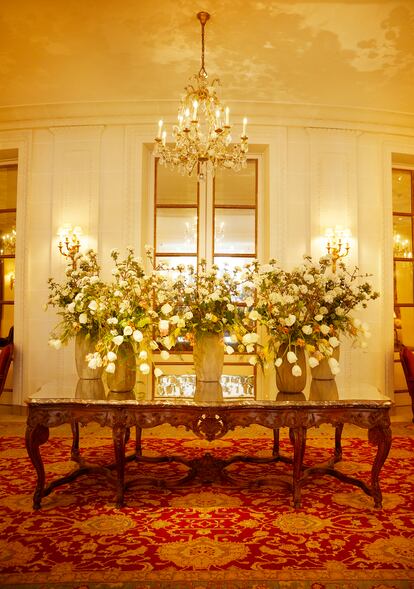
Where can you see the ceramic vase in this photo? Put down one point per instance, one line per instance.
(285, 381)
(323, 370)
(208, 357)
(125, 375)
(84, 345)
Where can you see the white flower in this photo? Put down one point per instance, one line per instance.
(230, 307)
(118, 294)
(250, 348)
(83, 318)
(249, 301)
(250, 338)
(144, 368)
(111, 356)
(168, 342)
(95, 361)
(93, 306)
(158, 372)
(118, 339)
(307, 329)
(290, 320)
(143, 355)
(334, 341)
(137, 335)
(324, 329)
(164, 355)
(334, 365)
(296, 370)
(253, 360)
(188, 315)
(291, 357)
(313, 362)
(229, 350)
(175, 319)
(164, 326)
(318, 317)
(71, 307)
(127, 330)
(339, 311)
(309, 278)
(278, 362)
(166, 309)
(55, 343)
(110, 368)
(112, 321)
(254, 315)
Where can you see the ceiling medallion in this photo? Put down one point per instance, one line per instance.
(201, 141)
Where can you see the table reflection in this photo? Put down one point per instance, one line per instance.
(184, 386)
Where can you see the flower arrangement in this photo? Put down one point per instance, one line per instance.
(306, 309)
(204, 300)
(78, 299)
(128, 317)
(309, 308)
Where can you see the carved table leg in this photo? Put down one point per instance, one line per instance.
(338, 445)
(35, 437)
(118, 436)
(138, 437)
(299, 438)
(275, 450)
(381, 436)
(74, 452)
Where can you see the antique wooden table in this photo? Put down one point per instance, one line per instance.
(54, 405)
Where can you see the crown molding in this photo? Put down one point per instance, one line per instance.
(258, 113)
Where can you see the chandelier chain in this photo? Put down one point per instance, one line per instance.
(202, 71)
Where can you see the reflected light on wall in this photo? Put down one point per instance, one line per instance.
(337, 242)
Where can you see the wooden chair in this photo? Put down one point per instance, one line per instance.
(407, 362)
(6, 357)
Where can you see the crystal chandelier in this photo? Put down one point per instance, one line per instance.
(202, 138)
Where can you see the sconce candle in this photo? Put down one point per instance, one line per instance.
(335, 246)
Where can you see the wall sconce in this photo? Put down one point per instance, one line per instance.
(337, 244)
(69, 243)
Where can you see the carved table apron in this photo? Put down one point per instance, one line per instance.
(209, 421)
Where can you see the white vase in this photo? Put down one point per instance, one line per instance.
(208, 357)
(125, 375)
(285, 381)
(84, 345)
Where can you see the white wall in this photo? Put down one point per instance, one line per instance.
(96, 176)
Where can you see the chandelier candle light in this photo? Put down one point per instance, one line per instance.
(202, 139)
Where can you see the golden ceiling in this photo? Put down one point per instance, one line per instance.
(351, 53)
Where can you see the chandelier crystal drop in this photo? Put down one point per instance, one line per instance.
(202, 138)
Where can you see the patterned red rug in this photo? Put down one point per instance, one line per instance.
(227, 536)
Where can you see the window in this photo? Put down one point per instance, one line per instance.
(8, 198)
(216, 220)
(403, 216)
